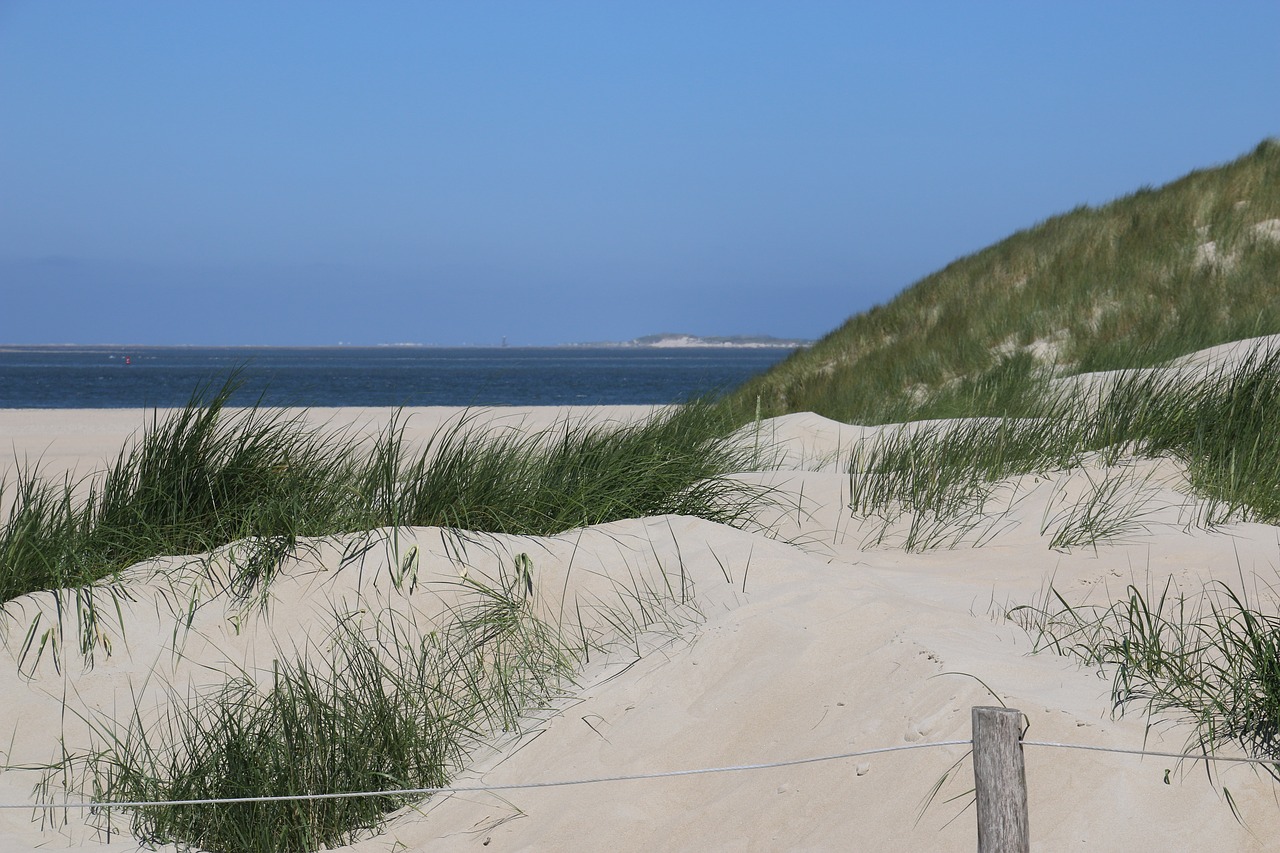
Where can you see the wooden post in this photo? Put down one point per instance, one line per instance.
(1000, 781)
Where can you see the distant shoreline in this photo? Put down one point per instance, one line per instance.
(657, 342)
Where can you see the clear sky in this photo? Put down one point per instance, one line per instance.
(456, 172)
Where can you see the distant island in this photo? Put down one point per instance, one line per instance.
(681, 340)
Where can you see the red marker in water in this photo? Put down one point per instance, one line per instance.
(128, 360)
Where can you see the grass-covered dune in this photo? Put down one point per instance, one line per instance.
(1156, 274)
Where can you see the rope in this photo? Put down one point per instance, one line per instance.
(1239, 759)
(406, 792)
(465, 789)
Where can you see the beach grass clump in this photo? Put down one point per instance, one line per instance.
(384, 709)
(206, 476)
(1213, 662)
(200, 478)
(471, 477)
(939, 466)
(943, 475)
(1226, 433)
(1114, 506)
(40, 540)
(1219, 425)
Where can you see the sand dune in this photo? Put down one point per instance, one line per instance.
(798, 639)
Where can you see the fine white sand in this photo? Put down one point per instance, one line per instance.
(800, 640)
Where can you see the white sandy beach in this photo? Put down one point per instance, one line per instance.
(800, 640)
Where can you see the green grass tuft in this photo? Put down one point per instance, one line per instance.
(1213, 661)
(207, 476)
(382, 712)
(1220, 426)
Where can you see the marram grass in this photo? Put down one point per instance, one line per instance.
(1221, 426)
(381, 710)
(1211, 661)
(208, 475)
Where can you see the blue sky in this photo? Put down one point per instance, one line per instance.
(296, 173)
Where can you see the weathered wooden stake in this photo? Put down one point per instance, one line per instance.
(1000, 781)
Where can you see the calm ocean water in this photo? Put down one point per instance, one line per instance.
(115, 377)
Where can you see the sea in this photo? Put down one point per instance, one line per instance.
(162, 377)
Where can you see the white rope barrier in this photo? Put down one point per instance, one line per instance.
(462, 789)
(1239, 759)
(516, 786)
